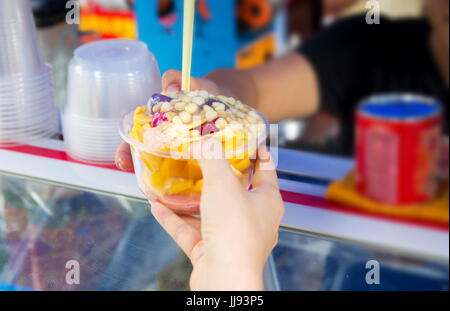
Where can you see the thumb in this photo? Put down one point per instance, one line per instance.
(171, 81)
(211, 158)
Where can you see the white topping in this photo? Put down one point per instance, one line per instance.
(231, 100)
(177, 120)
(218, 106)
(221, 123)
(180, 106)
(253, 114)
(156, 107)
(203, 94)
(186, 117)
(210, 114)
(195, 133)
(170, 115)
(228, 132)
(198, 100)
(191, 108)
(165, 107)
(251, 119)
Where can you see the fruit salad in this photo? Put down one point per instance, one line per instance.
(162, 133)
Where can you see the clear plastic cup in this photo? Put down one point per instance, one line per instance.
(27, 108)
(12, 119)
(20, 138)
(175, 178)
(19, 52)
(108, 78)
(26, 101)
(19, 82)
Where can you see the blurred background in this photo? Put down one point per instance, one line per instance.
(249, 32)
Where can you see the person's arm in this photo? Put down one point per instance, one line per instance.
(282, 88)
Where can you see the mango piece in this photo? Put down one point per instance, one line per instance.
(140, 110)
(158, 181)
(236, 172)
(135, 133)
(173, 168)
(153, 162)
(194, 171)
(142, 119)
(198, 186)
(238, 140)
(180, 186)
(242, 165)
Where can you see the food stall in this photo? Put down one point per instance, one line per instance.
(69, 222)
(54, 209)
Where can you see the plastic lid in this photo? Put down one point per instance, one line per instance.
(115, 55)
(400, 107)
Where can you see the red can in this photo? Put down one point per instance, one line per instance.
(397, 148)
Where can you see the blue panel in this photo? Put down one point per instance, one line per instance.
(214, 40)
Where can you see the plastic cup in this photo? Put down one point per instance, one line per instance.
(19, 51)
(18, 140)
(175, 178)
(27, 110)
(108, 78)
(48, 115)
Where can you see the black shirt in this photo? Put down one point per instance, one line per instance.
(354, 60)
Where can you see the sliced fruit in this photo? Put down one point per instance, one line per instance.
(151, 161)
(158, 181)
(207, 128)
(172, 168)
(236, 172)
(198, 186)
(140, 110)
(238, 140)
(180, 186)
(142, 119)
(194, 171)
(242, 165)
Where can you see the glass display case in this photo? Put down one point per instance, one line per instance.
(51, 223)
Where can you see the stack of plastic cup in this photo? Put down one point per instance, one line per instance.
(27, 110)
(106, 79)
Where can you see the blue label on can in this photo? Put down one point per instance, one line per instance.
(400, 107)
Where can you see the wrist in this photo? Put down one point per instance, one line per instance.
(232, 278)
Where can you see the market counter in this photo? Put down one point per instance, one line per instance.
(55, 212)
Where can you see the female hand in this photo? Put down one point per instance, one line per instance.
(238, 229)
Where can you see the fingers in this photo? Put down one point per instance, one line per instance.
(180, 230)
(123, 158)
(265, 173)
(171, 81)
(193, 221)
(215, 168)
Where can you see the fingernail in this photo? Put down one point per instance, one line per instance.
(119, 165)
(173, 88)
(263, 153)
